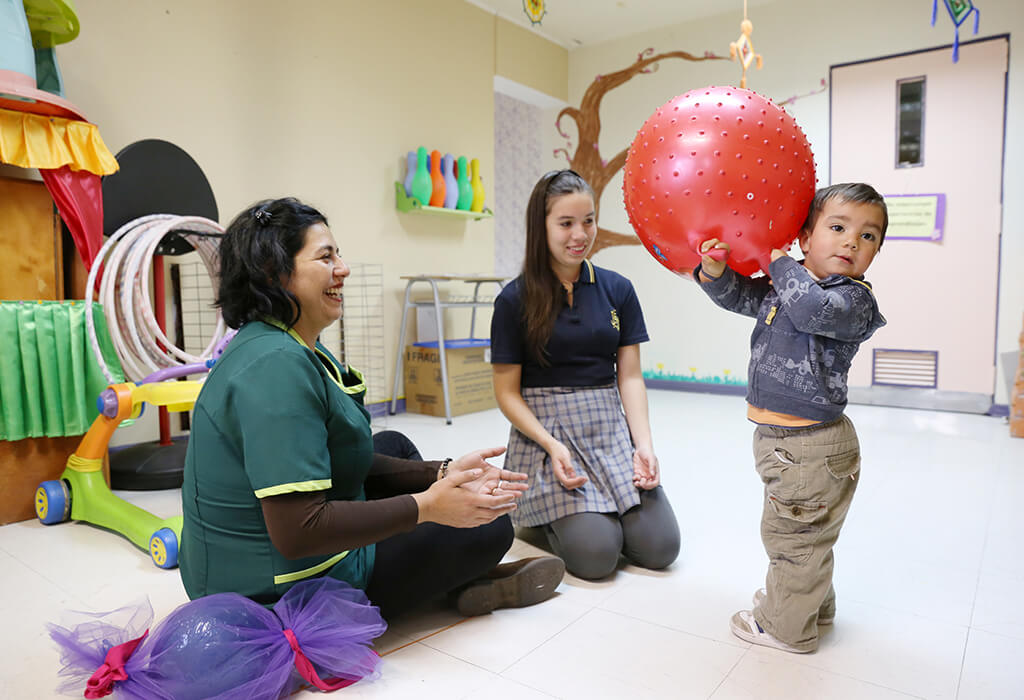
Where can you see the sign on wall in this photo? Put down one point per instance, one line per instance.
(916, 217)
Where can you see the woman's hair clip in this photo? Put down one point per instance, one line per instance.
(262, 216)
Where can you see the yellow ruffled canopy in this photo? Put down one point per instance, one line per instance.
(47, 143)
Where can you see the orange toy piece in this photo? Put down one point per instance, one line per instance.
(1017, 396)
(742, 49)
(437, 180)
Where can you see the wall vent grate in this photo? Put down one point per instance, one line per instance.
(913, 368)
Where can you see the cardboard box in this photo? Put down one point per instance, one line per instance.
(470, 386)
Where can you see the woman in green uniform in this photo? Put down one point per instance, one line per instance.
(281, 480)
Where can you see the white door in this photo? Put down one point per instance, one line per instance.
(939, 296)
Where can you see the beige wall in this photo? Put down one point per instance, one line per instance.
(799, 40)
(321, 103)
(530, 60)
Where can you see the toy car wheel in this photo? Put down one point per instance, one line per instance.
(163, 548)
(53, 502)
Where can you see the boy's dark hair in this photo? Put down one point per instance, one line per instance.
(257, 257)
(857, 192)
(541, 291)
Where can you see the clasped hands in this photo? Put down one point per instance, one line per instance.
(474, 493)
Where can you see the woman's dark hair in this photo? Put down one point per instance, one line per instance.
(257, 257)
(542, 293)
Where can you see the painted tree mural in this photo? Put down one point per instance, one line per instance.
(587, 160)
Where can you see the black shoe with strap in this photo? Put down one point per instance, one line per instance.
(512, 585)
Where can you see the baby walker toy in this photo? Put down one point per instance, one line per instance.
(152, 364)
(82, 493)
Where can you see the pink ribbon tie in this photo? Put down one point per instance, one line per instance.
(101, 683)
(306, 670)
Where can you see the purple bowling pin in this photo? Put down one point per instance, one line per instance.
(410, 172)
(451, 192)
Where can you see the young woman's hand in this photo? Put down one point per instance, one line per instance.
(446, 503)
(646, 472)
(492, 480)
(561, 464)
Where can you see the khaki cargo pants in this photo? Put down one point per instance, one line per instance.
(809, 477)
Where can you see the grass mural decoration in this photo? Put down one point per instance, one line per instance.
(727, 378)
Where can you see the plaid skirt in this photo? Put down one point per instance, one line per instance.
(590, 423)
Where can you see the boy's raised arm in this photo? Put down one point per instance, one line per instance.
(734, 292)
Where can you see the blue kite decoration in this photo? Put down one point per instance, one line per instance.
(959, 11)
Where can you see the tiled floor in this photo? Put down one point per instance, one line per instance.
(929, 574)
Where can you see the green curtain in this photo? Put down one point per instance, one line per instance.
(49, 378)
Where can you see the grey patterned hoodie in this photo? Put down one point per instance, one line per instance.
(806, 335)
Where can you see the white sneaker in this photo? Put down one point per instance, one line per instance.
(760, 594)
(744, 626)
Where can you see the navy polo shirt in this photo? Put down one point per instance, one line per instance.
(586, 337)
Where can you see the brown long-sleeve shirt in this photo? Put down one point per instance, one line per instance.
(303, 524)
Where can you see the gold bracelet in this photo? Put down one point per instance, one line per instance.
(442, 472)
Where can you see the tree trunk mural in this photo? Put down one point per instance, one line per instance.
(587, 160)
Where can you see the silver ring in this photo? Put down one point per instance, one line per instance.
(494, 491)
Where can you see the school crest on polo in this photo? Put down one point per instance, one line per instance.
(615, 320)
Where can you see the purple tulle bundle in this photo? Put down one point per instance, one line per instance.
(223, 646)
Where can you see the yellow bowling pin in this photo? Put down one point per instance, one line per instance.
(477, 185)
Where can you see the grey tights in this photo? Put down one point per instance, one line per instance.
(590, 543)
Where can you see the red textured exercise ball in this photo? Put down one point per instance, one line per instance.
(718, 162)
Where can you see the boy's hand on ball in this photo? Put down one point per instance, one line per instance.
(776, 254)
(712, 262)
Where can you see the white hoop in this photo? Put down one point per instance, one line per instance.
(126, 259)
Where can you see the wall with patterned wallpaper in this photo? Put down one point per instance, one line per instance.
(518, 163)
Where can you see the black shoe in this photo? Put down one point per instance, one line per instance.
(513, 585)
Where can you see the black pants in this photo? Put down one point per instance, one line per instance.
(431, 560)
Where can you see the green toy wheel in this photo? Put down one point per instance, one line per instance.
(163, 548)
(53, 502)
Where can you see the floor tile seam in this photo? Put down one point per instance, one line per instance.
(412, 641)
(71, 594)
(728, 643)
(963, 662)
(728, 673)
(805, 660)
(405, 640)
(548, 639)
(1002, 635)
(890, 608)
(474, 694)
(977, 586)
(489, 672)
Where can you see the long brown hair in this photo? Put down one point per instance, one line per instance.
(542, 294)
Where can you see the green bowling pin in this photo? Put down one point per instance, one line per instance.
(422, 187)
(465, 200)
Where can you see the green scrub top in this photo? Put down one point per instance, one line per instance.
(270, 419)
